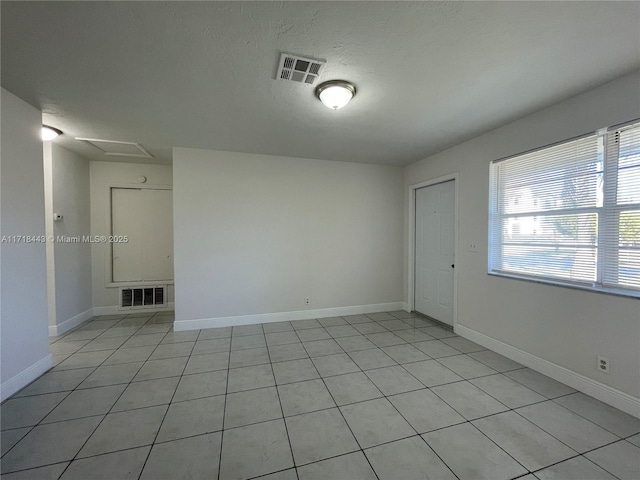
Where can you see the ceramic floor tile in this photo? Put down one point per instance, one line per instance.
(277, 327)
(83, 360)
(124, 465)
(405, 353)
(528, 444)
(354, 319)
(377, 317)
(481, 459)
(282, 353)
(81, 335)
(248, 378)
(86, 403)
(568, 427)
(304, 324)
(372, 358)
(312, 334)
(207, 362)
(282, 338)
(609, 418)
(171, 350)
(410, 458)
(468, 400)
(385, 339)
(578, 468)
(436, 348)
(247, 330)
(338, 331)
(376, 421)
(247, 341)
(193, 417)
(104, 343)
(46, 444)
(201, 385)
(188, 458)
(413, 335)
(58, 359)
(369, 328)
(338, 364)
(466, 366)
(168, 367)
(144, 340)
(130, 355)
(507, 391)
(431, 373)
(252, 406)
(402, 314)
(439, 332)
(147, 394)
(111, 375)
(179, 337)
(425, 411)
(322, 347)
(495, 361)
(249, 357)
(154, 328)
(289, 474)
(29, 411)
(304, 397)
(355, 343)
(8, 438)
(55, 381)
(214, 333)
(294, 371)
(255, 450)
(463, 345)
(50, 472)
(332, 321)
(62, 347)
(353, 466)
(622, 459)
(635, 440)
(122, 430)
(213, 345)
(319, 435)
(539, 383)
(395, 325)
(392, 380)
(351, 388)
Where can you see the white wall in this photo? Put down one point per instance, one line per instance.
(24, 343)
(564, 326)
(256, 234)
(71, 262)
(103, 176)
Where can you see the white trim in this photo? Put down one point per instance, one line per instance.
(116, 310)
(411, 302)
(612, 396)
(70, 323)
(199, 323)
(25, 377)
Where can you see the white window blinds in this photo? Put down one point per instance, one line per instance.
(570, 213)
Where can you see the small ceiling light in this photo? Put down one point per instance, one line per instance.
(335, 94)
(49, 133)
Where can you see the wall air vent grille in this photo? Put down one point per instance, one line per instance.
(299, 69)
(143, 297)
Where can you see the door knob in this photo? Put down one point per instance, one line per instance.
(453, 266)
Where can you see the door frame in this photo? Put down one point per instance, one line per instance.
(412, 241)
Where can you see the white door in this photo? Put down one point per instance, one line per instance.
(434, 256)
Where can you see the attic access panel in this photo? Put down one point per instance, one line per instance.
(117, 148)
(299, 69)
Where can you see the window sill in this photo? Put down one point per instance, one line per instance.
(544, 281)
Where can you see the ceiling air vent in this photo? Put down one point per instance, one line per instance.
(299, 69)
(116, 148)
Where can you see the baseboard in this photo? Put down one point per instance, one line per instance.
(115, 310)
(25, 377)
(200, 323)
(609, 395)
(71, 323)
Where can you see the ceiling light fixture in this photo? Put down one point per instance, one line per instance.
(48, 133)
(335, 94)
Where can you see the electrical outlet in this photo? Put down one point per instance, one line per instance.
(603, 364)
(307, 301)
(473, 247)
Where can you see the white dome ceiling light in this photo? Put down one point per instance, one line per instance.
(335, 94)
(48, 133)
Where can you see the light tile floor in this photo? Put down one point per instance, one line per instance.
(386, 395)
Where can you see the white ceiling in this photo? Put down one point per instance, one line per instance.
(202, 74)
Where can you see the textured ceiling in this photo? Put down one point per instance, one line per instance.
(202, 74)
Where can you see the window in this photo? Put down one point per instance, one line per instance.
(570, 213)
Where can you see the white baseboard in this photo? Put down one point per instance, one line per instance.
(25, 377)
(200, 323)
(71, 323)
(115, 310)
(612, 396)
